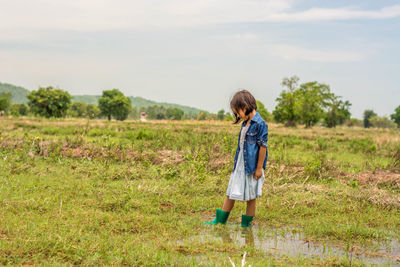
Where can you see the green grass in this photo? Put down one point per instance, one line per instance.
(126, 192)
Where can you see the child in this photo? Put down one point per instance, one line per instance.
(247, 176)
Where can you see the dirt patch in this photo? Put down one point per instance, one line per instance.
(3, 235)
(380, 197)
(167, 157)
(216, 148)
(217, 163)
(166, 205)
(17, 143)
(206, 214)
(292, 169)
(391, 177)
(275, 168)
(46, 148)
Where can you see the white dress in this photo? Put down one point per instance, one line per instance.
(241, 186)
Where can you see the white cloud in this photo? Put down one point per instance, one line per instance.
(256, 44)
(122, 14)
(321, 14)
(247, 36)
(291, 52)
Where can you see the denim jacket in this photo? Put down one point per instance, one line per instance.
(256, 136)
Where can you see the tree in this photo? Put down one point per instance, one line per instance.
(19, 109)
(285, 111)
(5, 101)
(311, 101)
(228, 117)
(221, 115)
(263, 111)
(344, 111)
(396, 116)
(156, 112)
(78, 109)
(211, 117)
(114, 103)
(122, 107)
(368, 114)
(134, 114)
(174, 113)
(92, 111)
(202, 116)
(338, 112)
(291, 83)
(49, 102)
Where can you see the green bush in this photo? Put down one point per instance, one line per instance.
(322, 143)
(19, 109)
(145, 134)
(362, 145)
(317, 167)
(353, 122)
(51, 131)
(101, 132)
(142, 134)
(396, 156)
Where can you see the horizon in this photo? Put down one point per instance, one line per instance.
(200, 54)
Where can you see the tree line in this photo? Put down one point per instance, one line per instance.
(307, 104)
(312, 102)
(50, 102)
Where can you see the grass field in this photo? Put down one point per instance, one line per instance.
(78, 192)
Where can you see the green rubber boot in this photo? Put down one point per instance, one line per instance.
(221, 217)
(246, 220)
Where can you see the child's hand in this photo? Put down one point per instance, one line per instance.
(258, 173)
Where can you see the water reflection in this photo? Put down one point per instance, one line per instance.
(246, 234)
(292, 243)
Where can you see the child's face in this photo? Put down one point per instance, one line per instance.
(242, 114)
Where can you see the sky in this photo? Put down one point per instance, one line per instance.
(200, 52)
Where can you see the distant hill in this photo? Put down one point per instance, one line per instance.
(138, 102)
(18, 93)
(19, 96)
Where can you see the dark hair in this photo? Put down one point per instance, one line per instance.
(245, 101)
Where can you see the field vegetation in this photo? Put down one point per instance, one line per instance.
(79, 191)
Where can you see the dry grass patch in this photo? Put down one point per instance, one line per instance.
(380, 197)
(380, 177)
(168, 157)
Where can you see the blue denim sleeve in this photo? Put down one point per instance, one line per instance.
(262, 134)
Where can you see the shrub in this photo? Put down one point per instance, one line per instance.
(353, 122)
(362, 145)
(382, 122)
(317, 167)
(19, 109)
(101, 132)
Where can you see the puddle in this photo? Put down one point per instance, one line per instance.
(295, 244)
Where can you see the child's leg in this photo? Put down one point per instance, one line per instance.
(251, 207)
(228, 204)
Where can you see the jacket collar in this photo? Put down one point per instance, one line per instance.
(255, 118)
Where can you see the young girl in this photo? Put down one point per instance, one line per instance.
(247, 176)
